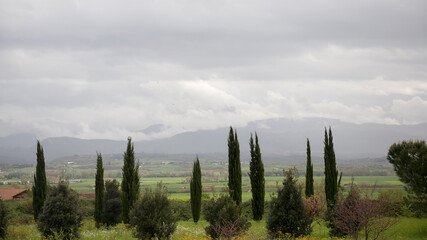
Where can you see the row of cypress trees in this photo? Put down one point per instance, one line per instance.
(234, 177)
(129, 186)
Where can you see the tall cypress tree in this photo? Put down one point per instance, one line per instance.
(196, 191)
(99, 191)
(309, 188)
(130, 181)
(40, 183)
(234, 168)
(257, 179)
(331, 173)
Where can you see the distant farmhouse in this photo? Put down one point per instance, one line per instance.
(13, 193)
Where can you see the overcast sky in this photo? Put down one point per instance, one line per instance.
(110, 69)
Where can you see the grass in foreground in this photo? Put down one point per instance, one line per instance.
(407, 228)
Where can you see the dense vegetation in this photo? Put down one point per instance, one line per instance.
(234, 167)
(196, 191)
(256, 175)
(61, 216)
(40, 183)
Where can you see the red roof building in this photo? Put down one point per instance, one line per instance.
(13, 193)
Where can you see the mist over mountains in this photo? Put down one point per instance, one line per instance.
(278, 138)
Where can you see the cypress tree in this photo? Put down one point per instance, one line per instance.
(257, 179)
(40, 183)
(196, 191)
(99, 191)
(234, 169)
(331, 173)
(130, 181)
(309, 188)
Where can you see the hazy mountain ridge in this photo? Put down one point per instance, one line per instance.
(278, 138)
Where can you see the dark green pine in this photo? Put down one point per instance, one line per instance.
(40, 183)
(256, 175)
(99, 191)
(130, 181)
(196, 191)
(309, 182)
(331, 173)
(234, 169)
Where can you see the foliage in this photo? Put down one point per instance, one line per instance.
(355, 213)
(234, 168)
(224, 218)
(61, 215)
(409, 159)
(130, 181)
(3, 219)
(196, 191)
(181, 209)
(112, 203)
(331, 173)
(99, 191)
(40, 183)
(309, 188)
(287, 210)
(256, 175)
(152, 216)
(315, 207)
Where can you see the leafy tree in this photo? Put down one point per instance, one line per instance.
(196, 191)
(287, 210)
(113, 204)
(130, 181)
(152, 216)
(224, 218)
(234, 168)
(3, 220)
(355, 213)
(99, 191)
(257, 179)
(40, 183)
(409, 159)
(309, 182)
(61, 216)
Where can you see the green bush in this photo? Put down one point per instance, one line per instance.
(112, 203)
(87, 208)
(61, 215)
(152, 215)
(20, 212)
(181, 209)
(3, 219)
(224, 218)
(287, 210)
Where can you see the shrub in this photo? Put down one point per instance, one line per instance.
(182, 209)
(61, 215)
(355, 213)
(113, 203)
(224, 218)
(87, 207)
(287, 210)
(315, 207)
(152, 216)
(3, 220)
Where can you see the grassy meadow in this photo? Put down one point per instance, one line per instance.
(407, 228)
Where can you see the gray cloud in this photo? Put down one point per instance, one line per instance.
(110, 69)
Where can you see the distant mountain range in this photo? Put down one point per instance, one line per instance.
(277, 137)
